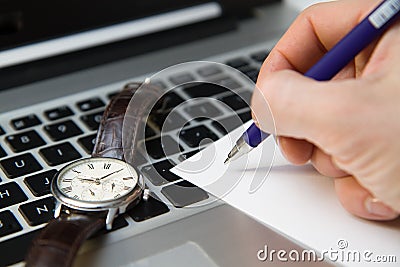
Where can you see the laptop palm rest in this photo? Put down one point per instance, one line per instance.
(221, 236)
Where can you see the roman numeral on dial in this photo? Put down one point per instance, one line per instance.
(67, 189)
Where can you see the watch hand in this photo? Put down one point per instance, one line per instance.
(91, 192)
(105, 176)
(87, 179)
(112, 186)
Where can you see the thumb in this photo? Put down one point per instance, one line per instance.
(300, 107)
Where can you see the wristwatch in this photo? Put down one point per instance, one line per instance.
(91, 192)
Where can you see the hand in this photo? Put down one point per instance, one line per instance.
(348, 127)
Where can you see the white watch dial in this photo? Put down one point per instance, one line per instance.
(97, 179)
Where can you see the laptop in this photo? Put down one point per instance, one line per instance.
(61, 62)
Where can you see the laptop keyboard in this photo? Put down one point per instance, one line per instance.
(37, 143)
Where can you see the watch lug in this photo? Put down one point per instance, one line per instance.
(110, 217)
(146, 194)
(57, 209)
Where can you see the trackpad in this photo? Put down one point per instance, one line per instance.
(188, 254)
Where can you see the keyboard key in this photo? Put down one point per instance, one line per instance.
(11, 194)
(20, 165)
(92, 121)
(39, 184)
(228, 83)
(237, 63)
(24, 141)
(62, 130)
(204, 90)
(8, 223)
(186, 184)
(246, 96)
(90, 104)
(159, 173)
(112, 95)
(230, 123)
(245, 116)
(39, 211)
(152, 175)
(209, 71)
(14, 250)
(118, 223)
(237, 101)
(59, 154)
(203, 110)
(260, 56)
(160, 147)
(2, 131)
(88, 143)
(168, 101)
(2, 152)
(25, 122)
(182, 78)
(187, 155)
(167, 121)
(147, 209)
(58, 113)
(149, 132)
(250, 72)
(181, 195)
(197, 136)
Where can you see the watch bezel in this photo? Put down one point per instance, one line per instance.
(121, 202)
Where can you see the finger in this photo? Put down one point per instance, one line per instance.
(297, 151)
(358, 201)
(323, 163)
(316, 31)
(387, 54)
(301, 107)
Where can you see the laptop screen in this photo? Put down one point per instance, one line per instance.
(24, 22)
(43, 39)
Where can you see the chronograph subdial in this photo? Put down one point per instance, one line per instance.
(93, 193)
(113, 186)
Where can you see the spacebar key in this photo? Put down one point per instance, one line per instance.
(14, 250)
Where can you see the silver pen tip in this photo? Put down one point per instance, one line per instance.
(227, 160)
(239, 149)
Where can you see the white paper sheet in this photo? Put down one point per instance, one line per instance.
(294, 200)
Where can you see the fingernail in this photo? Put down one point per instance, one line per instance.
(376, 207)
(276, 138)
(254, 117)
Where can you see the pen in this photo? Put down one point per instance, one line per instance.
(331, 63)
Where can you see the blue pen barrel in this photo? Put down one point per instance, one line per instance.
(254, 136)
(355, 41)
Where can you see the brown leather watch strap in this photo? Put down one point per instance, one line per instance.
(109, 141)
(58, 243)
